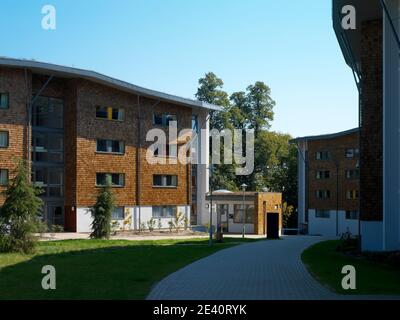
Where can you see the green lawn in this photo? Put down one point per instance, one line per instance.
(95, 269)
(326, 264)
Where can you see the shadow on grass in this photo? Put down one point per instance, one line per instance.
(121, 271)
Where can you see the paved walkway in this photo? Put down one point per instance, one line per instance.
(263, 270)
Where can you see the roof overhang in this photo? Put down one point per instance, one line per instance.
(350, 40)
(69, 72)
(325, 136)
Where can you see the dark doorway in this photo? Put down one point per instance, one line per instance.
(272, 225)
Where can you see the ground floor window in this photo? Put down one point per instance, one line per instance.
(164, 211)
(241, 211)
(324, 214)
(3, 177)
(352, 215)
(118, 213)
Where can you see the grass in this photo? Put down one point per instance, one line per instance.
(97, 269)
(326, 264)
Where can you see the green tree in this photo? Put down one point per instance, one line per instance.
(260, 107)
(19, 216)
(102, 214)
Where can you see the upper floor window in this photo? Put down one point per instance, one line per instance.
(322, 214)
(48, 112)
(164, 211)
(352, 215)
(4, 101)
(110, 146)
(110, 113)
(352, 194)
(351, 153)
(3, 177)
(113, 179)
(323, 175)
(352, 174)
(165, 180)
(169, 150)
(163, 119)
(3, 139)
(47, 147)
(118, 213)
(323, 155)
(50, 180)
(323, 194)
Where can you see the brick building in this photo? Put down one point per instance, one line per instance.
(372, 52)
(261, 214)
(328, 182)
(81, 129)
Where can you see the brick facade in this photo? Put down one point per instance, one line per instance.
(81, 131)
(371, 133)
(337, 183)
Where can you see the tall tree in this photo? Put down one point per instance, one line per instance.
(260, 107)
(19, 216)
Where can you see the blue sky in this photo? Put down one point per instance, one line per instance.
(168, 45)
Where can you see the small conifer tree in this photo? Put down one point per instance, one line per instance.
(102, 214)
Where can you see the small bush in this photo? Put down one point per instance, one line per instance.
(101, 214)
(151, 224)
(391, 258)
(56, 228)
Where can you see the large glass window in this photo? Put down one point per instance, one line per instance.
(323, 155)
(352, 174)
(321, 175)
(47, 147)
(48, 112)
(165, 180)
(241, 211)
(352, 194)
(352, 215)
(110, 146)
(114, 179)
(4, 101)
(323, 194)
(50, 180)
(164, 211)
(3, 177)
(3, 139)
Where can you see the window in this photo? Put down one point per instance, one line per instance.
(352, 194)
(47, 147)
(352, 215)
(165, 180)
(3, 177)
(223, 210)
(169, 150)
(4, 101)
(239, 213)
(110, 113)
(3, 139)
(164, 211)
(323, 214)
(352, 174)
(50, 180)
(163, 119)
(323, 155)
(48, 112)
(115, 179)
(351, 153)
(118, 213)
(110, 146)
(323, 175)
(323, 194)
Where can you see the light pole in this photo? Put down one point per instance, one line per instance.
(244, 186)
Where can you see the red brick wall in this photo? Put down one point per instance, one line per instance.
(13, 119)
(337, 148)
(371, 136)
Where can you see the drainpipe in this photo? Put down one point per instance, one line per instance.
(138, 166)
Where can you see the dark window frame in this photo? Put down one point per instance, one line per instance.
(166, 176)
(7, 177)
(99, 185)
(8, 139)
(8, 101)
(112, 141)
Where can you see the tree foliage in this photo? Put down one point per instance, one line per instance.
(19, 215)
(102, 214)
(275, 167)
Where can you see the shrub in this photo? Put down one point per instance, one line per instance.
(186, 223)
(114, 227)
(56, 228)
(170, 225)
(101, 214)
(19, 216)
(151, 224)
(159, 224)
